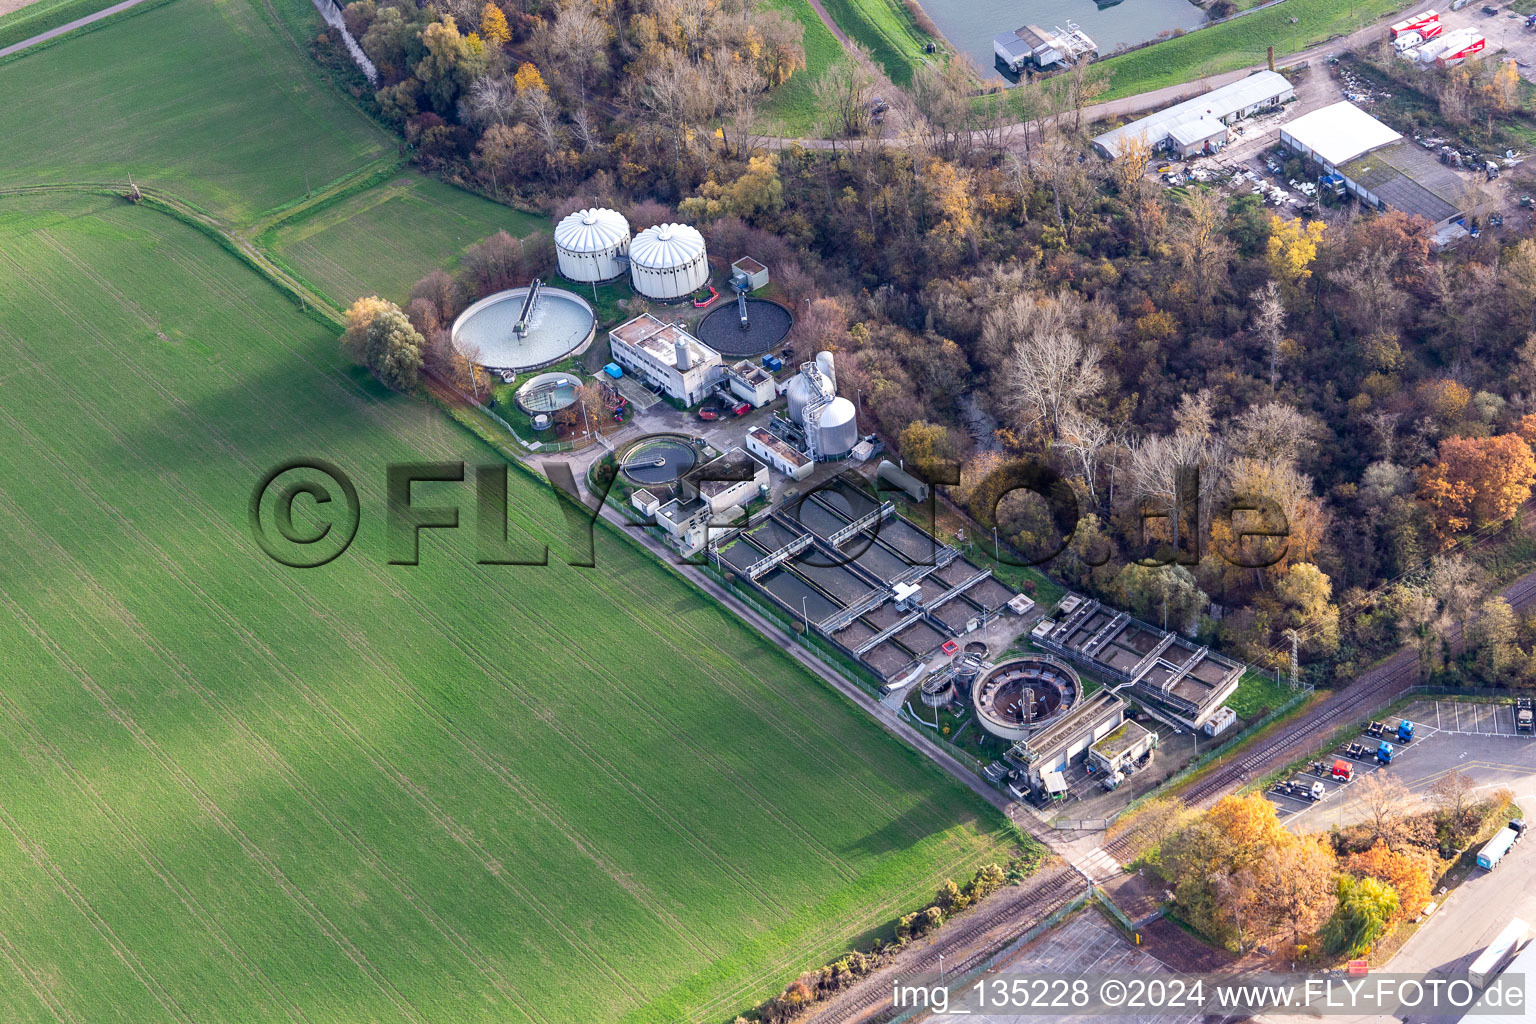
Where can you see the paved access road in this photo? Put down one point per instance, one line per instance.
(105, 12)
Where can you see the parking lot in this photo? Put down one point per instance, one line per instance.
(1479, 739)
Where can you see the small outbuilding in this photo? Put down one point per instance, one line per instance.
(750, 274)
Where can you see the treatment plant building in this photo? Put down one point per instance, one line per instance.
(667, 356)
(1199, 125)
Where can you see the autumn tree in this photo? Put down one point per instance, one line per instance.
(381, 337)
(1200, 242)
(493, 26)
(1215, 865)
(1293, 248)
(1492, 639)
(927, 444)
(1476, 481)
(1409, 872)
(1297, 890)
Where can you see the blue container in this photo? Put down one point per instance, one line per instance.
(773, 363)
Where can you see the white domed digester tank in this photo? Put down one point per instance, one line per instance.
(590, 245)
(837, 431)
(668, 262)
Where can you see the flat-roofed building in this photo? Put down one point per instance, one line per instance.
(1335, 134)
(779, 454)
(735, 478)
(1068, 739)
(1379, 166)
(666, 355)
(752, 383)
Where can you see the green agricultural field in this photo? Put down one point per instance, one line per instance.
(381, 240)
(449, 792)
(1240, 43)
(203, 99)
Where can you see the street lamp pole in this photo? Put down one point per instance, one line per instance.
(996, 551)
(805, 615)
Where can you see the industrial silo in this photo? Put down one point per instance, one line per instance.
(668, 262)
(590, 245)
(836, 429)
(828, 370)
(799, 394)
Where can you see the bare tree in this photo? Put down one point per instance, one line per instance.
(843, 94)
(1053, 368)
(1085, 439)
(1275, 431)
(1453, 794)
(1269, 325)
(1384, 801)
(490, 100)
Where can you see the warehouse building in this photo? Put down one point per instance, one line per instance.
(1378, 165)
(1199, 125)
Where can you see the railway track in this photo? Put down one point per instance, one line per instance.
(1011, 913)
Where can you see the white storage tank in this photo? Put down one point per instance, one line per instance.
(837, 431)
(825, 365)
(590, 245)
(668, 262)
(799, 393)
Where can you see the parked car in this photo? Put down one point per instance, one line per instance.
(708, 414)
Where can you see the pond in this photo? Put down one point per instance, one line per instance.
(970, 24)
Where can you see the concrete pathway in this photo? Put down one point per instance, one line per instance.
(105, 12)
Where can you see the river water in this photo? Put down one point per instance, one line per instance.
(971, 24)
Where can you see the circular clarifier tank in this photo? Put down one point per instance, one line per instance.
(1020, 695)
(767, 324)
(658, 461)
(506, 332)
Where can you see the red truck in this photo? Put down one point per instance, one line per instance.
(1343, 771)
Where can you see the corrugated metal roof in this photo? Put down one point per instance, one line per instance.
(1217, 104)
(1339, 132)
(1407, 178)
